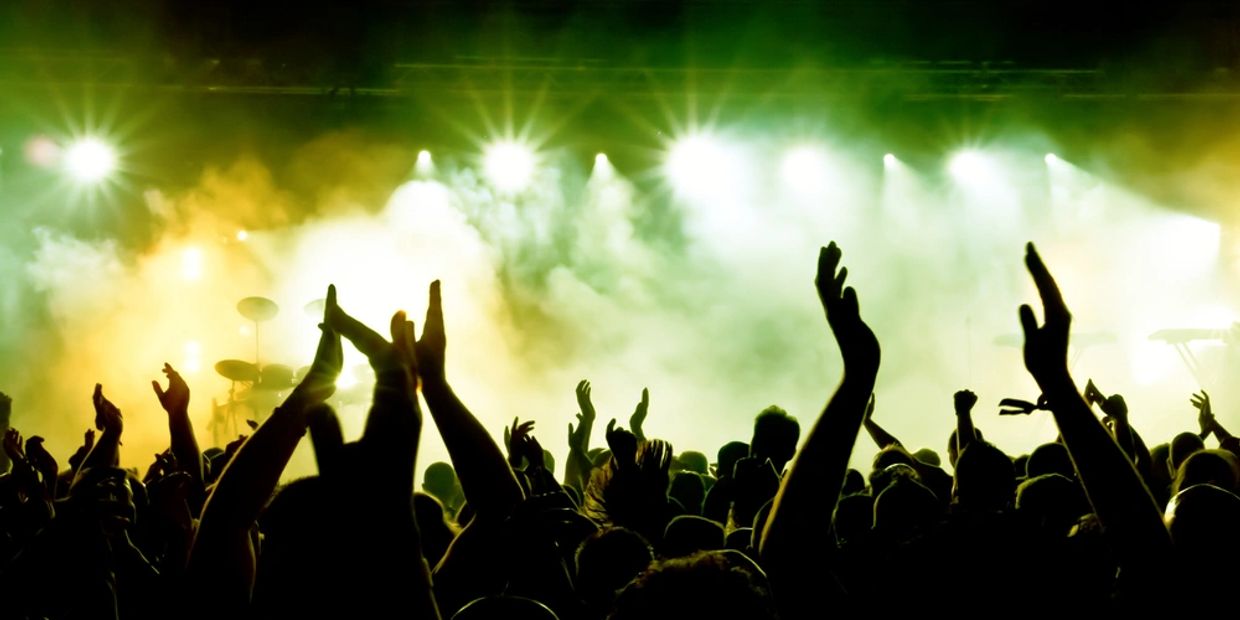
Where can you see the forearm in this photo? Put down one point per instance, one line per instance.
(1124, 439)
(394, 425)
(881, 437)
(1122, 502)
(813, 483)
(250, 478)
(486, 479)
(105, 453)
(796, 528)
(185, 444)
(573, 468)
(965, 431)
(1220, 433)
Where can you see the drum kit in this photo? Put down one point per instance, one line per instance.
(257, 388)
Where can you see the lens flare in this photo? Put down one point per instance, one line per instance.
(509, 165)
(90, 160)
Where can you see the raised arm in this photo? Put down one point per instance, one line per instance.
(486, 479)
(577, 466)
(1125, 435)
(797, 527)
(963, 402)
(639, 415)
(396, 579)
(175, 401)
(881, 437)
(222, 559)
(1210, 424)
(107, 449)
(1124, 506)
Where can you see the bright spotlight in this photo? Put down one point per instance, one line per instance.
(890, 160)
(602, 166)
(697, 163)
(969, 165)
(424, 164)
(1051, 159)
(242, 235)
(89, 160)
(803, 169)
(509, 165)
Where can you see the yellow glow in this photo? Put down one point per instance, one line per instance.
(192, 363)
(192, 264)
(242, 235)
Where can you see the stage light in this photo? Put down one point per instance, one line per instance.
(602, 167)
(698, 163)
(509, 165)
(242, 235)
(890, 160)
(191, 264)
(1051, 159)
(804, 168)
(89, 160)
(424, 164)
(969, 166)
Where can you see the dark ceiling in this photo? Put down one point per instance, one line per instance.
(1159, 78)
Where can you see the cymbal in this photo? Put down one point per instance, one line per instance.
(315, 308)
(237, 370)
(275, 377)
(258, 309)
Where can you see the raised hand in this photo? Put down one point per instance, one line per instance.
(584, 402)
(515, 438)
(639, 414)
(1046, 346)
(43, 462)
(622, 443)
(434, 342)
(88, 442)
(964, 400)
(1092, 394)
(320, 381)
(13, 445)
(1115, 407)
(107, 417)
(382, 354)
(176, 397)
(858, 345)
(6, 407)
(1205, 415)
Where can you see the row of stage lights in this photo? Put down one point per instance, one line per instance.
(510, 166)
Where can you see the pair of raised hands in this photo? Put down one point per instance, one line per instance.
(1046, 345)
(579, 435)
(422, 359)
